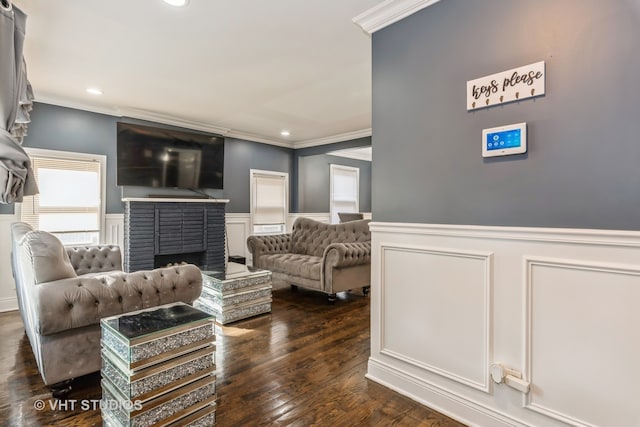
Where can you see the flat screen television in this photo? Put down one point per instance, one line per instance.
(163, 158)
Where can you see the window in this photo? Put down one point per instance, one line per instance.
(70, 204)
(344, 193)
(269, 201)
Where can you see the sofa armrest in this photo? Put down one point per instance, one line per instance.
(94, 259)
(347, 254)
(81, 301)
(271, 244)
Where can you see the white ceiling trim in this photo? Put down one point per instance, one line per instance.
(355, 153)
(188, 124)
(389, 12)
(335, 138)
(78, 106)
(168, 120)
(135, 114)
(257, 138)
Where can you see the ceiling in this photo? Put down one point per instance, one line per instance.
(242, 68)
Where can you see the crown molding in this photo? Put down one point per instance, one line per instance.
(173, 121)
(151, 116)
(92, 108)
(331, 139)
(389, 12)
(133, 113)
(257, 138)
(351, 154)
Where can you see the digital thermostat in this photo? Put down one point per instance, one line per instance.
(504, 140)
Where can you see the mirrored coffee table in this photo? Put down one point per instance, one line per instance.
(237, 293)
(158, 367)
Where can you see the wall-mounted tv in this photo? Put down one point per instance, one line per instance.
(163, 158)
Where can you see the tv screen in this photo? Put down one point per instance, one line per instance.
(162, 158)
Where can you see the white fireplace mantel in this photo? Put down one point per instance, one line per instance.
(173, 199)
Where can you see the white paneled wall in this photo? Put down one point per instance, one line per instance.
(557, 305)
(8, 299)
(238, 229)
(114, 230)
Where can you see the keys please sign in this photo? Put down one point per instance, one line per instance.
(511, 85)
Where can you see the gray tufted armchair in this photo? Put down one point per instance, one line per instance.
(325, 257)
(63, 292)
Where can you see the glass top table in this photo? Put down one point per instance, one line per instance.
(143, 323)
(235, 271)
(141, 338)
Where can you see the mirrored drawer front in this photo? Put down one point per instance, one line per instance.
(138, 355)
(205, 417)
(237, 297)
(233, 284)
(226, 315)
(171, 409)
(148, 383)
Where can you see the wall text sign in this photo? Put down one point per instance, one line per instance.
(507, 86)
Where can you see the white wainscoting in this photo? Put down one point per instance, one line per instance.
(238, 229)
(557, 305)
(114, 230)
(456, 278)
(8, 300)
(583, 328)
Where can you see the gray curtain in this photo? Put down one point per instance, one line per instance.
(16, 99)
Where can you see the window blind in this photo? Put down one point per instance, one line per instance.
(69, 199)
(344, 190)
(269, 199)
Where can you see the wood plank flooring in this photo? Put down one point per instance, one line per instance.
(301, 365)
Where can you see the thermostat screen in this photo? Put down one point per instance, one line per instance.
(504, 139)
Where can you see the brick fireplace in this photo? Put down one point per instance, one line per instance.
(161, 231)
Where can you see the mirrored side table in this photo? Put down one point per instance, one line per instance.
(158, 368)
(237, 293)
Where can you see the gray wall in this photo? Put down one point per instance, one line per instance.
(66, 129)
(310, 191)
(314, 182)
(239, 157)
(582, 168)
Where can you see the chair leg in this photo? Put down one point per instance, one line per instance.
(365, 290)
(61, 390)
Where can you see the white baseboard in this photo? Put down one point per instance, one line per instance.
(8, 304)
(441, 400)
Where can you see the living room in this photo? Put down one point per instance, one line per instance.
(503, 288)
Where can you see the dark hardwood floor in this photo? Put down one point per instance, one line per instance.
(301, 365)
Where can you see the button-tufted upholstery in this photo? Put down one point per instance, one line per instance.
(64, 292)
(94, 259)
(325, 257)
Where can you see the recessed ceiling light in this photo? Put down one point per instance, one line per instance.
(285, 133)
(94, 91)
(177, 3)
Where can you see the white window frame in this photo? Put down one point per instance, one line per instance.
(70, 155)
(253, 173)
(333, 210)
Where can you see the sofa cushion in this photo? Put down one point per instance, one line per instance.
(293, 264)
(48, 256)
(310, 237)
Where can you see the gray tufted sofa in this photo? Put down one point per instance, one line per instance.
(325, 257)
(63, 292)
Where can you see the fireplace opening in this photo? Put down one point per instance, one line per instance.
(196, 258)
